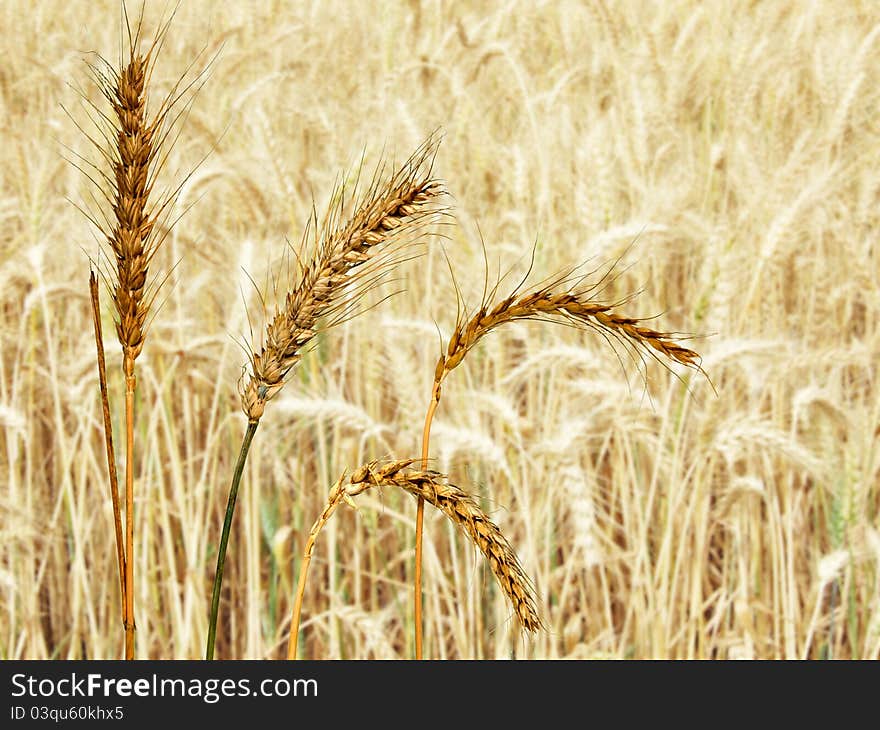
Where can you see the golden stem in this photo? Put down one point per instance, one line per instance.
(108, 442)
(336, 496)
(130, 385)
(420, 519)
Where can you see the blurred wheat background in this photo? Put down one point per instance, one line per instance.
(728, 152)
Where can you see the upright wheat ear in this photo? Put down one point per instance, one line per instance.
(456, 504)
(350, 256)
(131, 143)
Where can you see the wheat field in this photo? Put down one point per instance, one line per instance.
(723, 156)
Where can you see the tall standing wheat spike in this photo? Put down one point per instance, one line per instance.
(350, 257)
(561, 299)
(456, 504)
(134, 146)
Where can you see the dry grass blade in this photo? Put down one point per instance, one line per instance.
(456, 504)
(349, 257)
(108, 438)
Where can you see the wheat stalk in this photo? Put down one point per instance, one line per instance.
(108, 441)
(559, 299)
(456, 504)
(134, 146)
(350, 257)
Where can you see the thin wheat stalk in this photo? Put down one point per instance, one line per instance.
(337, 496)
(134, 144)
(108, 441)
(456, 504)
(350, 258)
(559, 299)
(224, 537)
(420, 524)
(133, 151)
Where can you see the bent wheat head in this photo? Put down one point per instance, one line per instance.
(461, 508)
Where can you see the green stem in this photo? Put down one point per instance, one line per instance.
(224, 538)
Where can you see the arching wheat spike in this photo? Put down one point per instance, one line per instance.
(575, 307)
(455, 503)
(350, 253)
(561, 298)
(461, 508)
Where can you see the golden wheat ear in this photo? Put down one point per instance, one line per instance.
(462, 509)
(456, 504)
(352, 254)
(562, 298)
(133, 144)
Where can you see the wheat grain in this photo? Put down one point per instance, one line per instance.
(133, 145)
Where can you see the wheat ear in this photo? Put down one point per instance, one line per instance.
(134, 145)
(552, 301)
(452, 501)
(351, 255)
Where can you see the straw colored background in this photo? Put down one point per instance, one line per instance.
(728, 151)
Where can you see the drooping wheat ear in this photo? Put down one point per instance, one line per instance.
(576, 307)
(456, 504)
(554, 300)
(349, 256)
(461, 508)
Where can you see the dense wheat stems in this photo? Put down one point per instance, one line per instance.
(550, 302)
(456, 504)
(351, 255)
